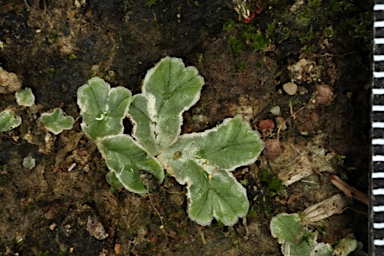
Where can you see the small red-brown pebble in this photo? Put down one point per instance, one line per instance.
(324, 94)
(272, 149)
(117, 248)
(172, 233)
(314, 117)
(154, 239)
(250, 18)
(175, 215)
(266, 124)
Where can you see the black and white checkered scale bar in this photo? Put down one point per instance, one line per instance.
(377, 164)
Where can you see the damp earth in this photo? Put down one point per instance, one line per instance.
(297, 71)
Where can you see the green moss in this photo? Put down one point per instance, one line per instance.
(245, 37)
(315, 17)
(328, 32)
(271, 29)
(252, 213)
(255, 39)
(241, 66)
(72, 56)
(259, 64)
(199, 57)
(273, 182)
(229, 25)
(150, 2)
(51, 73)
(340, 5)
(244, 182)
(236, 45)
(307, 37)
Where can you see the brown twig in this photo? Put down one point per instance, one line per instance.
(349, 190)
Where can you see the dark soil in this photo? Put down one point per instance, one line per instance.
(56, 46)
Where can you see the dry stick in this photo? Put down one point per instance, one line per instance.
(349, 190)
(201, 235)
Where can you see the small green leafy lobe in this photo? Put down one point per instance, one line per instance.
(168, 90)
(102, 108)
(25, 97)
(220, 197)
(56, 121)
(125, 159)
(286, 227)
(204, 161)
(8, 120)
(295, 239)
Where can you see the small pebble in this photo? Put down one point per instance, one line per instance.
(52, 226)
(290, 88)
(272, 149)
(324, 94)
(266, 124)
(96, 229)
(118, 249)
(275, 110)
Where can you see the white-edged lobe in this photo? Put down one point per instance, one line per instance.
(169, 89)
(286, 227)
(125, 159)
(204, 160)
(345, 246)
(25, 97)
(230, 145)
(102, 108)
(29, 162)
(56, 121)
(322, 249)
(8, 120)
(294, 240)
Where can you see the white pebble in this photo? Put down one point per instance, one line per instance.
(275, 110)
(290, 88)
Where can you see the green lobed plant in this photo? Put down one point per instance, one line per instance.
(56, 121)
(203, 161)
(25, 97)
(298, 240)
(29, 162)
(8, 120)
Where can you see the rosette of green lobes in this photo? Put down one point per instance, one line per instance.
(168, 90)
(102, 108)
(125, 160)
(204, 162)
